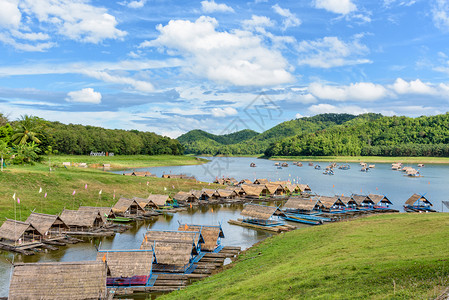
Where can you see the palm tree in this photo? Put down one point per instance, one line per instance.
(27, 128)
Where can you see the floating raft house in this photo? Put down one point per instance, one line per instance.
(128, 267)
(183, 236)
(82, 220)
(18, 233)
(348, 201)
(418, 203)
(185, 197)
(362, 200)
(105, 212)
(211, 235)
(159, 200)
(330, 203)
(260, 217)
(380, 200)
(128, 208)
(58, 280)
(227, 193)
(300, 204)
(51, 226)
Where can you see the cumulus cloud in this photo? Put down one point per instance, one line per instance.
(87, 95)
(290, 19)
(440, 13)
(224, 112)
(328, 108)
(361, 91)
(331, 52)
(417, 87)
(342, 7)
(211, 6)
(257, 23)
(134, 4)
(236, 57)
(10, 14)
(139, 85)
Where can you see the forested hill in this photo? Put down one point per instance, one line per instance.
(225, 139)
(200, 142)
(385, 136)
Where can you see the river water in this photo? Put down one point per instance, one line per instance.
(381, 180)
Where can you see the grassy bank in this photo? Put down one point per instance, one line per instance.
(128, 161)
(400, 256)
(25, 182)
(370, 159)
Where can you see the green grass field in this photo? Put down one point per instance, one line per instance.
(398, 256)
(367, 159)
(25, 182)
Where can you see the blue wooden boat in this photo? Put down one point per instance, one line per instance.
(296, 219)
(309, 217)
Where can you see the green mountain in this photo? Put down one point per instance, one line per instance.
(250, 142)
(371, 135)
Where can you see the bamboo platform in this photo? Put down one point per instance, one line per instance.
(277, 229)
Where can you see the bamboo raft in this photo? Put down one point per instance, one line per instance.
(277, 228)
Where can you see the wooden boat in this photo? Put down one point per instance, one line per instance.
(420, 165)
(328, 172)
(297, 219)
(284, 164)
(252, 165)
(344, 167)
(299, 164)
(119, 219)
(317, 167)
(364, 169)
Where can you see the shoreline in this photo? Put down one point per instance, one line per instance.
(367, 159)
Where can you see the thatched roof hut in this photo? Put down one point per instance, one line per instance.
(13, 231)
(261, 181)
(362, 200)
(380, 199)
(200, 195)
(48, 225)
(211, 193)
(260, 212)
(191, 236)
(255, 190)
(302, 204)
(237, 189)
(275, 188)
(127, 206)
(170, 255)
(304, 187)
(211, 234)
(127, 263)
(245, 181)
(105, 212)
(159, 200)
(58, 280)
(227, 193)
(418, 198)
(185, 197)
(145, 203)
(348, 201)
(330, 202)
(291, 188)
(82, 219)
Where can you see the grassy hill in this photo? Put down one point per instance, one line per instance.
(201, 142)
(398, 256)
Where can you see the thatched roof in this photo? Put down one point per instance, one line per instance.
(127, 263)
(193, 237)
(211, 193)
(253, 190)
(58, 280)
(304, 187)
(185, 196)
(83, 218)
(379, 199)
(145, 203)
(261, 212)
(297, 202)
(245, 181)
(210, 234)
(225, 193)
(347, 200)
(291, 187)
(274, 188)
(415, 197)
(362, 199)
(261, 181)
(43, 222)
(171, 252)
(13, 230)
(281, 182)
(105, 212)
(159, 200)
(198, 194)
(123, 204)
(328, 202)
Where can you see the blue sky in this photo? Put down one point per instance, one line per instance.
(220, 66)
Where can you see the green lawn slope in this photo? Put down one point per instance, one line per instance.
(399, 256)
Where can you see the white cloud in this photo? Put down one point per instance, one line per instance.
(328, 108)
(418, 87)
(74, 19)
(298, 116)
(361, 91)
(211, 6)
(237, 57)
(290, 19)
(342, 7)
(10, 14)
(440, 13)
(136, 4)
(331, 52)
(87, 95)
(304, 98)
(257, 23)
(139, 85)
(38, 47)
(224, 112)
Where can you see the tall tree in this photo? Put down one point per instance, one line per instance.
(27, 129)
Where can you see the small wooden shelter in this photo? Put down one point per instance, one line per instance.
(211, 193)
(145, 203)
(185, 197)
(82, 220)
(348, 201)
(304, 188)
(127, 267)
(418, 200)
(14, 232)
(200, 195)
(255, 190)
(291, 189)
(331, 202)
(362, 200)
(237, 189)
(58, 280)
(227, 193)
(159, 200)
(211, 235)
(50, 226)
(191, 236)
(381, 200)
(245, 181)
(261, 181)
(275, 189)
(127, 207)
(260, 214)
(171, 256)
(300, 204)
(105, 212)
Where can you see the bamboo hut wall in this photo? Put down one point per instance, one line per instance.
(170, 252)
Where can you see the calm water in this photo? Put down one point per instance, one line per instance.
(382, 180)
